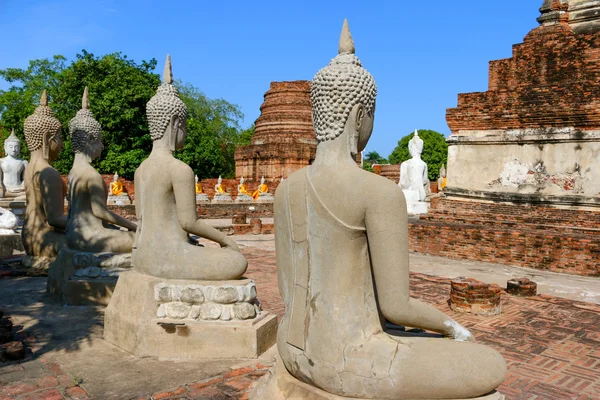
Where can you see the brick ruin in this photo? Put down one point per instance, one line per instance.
(524, 157)
(284, 140)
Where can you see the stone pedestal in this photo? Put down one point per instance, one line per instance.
(15, 206)
(155, 317)
(9, 243)
(280, 385)
(469, 295)
(521, 287)
(222, 198)
(122, 200)
(265, 198)
(80, 278)
(36, 263)
(202, 198)
(417, 207)
(244, 198)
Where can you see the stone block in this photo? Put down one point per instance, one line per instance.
(469, 295)
(279, 384)
(122, 200)
(521, 287)
(239, 219)
(155, 317)
(82, 278)
(256, 226)
(9, 243)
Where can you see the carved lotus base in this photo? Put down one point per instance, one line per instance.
(122, 200)
(155, 317)
(417, 207)
(222, 198)
(280, 385)
(81, 278)
(265, 198)
(244, 198)
(202, 198)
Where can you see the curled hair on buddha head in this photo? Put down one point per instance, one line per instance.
(83, 128)
(42, 122)
(164, 105)
(338, 87)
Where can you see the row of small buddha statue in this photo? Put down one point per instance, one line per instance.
(342, 259)
(261, 194)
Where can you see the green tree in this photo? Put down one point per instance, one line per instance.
(435, 151)
(246, 135)
(213, 133)
(19, 101)
(371, 158)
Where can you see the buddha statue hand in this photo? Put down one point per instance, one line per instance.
(229, 243)
(458, 332)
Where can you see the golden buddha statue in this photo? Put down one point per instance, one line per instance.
(262, 189)
(198, 186)
(242, 188)
(243, 194)
(116, 187)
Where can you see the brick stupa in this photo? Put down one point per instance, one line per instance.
(284, 140)
(534, 136)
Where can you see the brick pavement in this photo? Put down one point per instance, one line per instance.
(551, 345)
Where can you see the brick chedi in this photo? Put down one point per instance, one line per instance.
(284, 140)
(535, 134)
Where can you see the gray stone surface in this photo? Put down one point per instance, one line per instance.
(333, 249)
(45, 222)
(91, 227)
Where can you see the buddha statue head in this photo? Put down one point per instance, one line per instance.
(415, 145)
(85, 131)
(442, 171)
(12, 145)
(343, 97)
(242, 180)
(196, 179)
(262, 180)
(43, 131)
(220, 180)
(167, 114)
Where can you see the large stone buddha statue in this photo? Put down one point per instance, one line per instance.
(91, 226)
(13, 167)
(343, 270)
(45, 221)
(166, 204)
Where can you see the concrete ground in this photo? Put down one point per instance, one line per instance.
(552, 346)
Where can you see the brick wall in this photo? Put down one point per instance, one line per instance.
(529, 236)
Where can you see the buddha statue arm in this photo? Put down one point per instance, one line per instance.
(97, 192)
(387, 230)
(185, 201)
(53, 198)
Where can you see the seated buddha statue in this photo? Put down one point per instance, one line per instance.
(45, 222)
(243, 193)
(116, 192)
(116, 187)
(91, 226)
(12, 167)
(343, 268)
(165, 203)
(200, 195)
(414, 180)
(442, 178)
(221, 195)
(262, 193)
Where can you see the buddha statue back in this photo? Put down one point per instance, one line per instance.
(334, 248)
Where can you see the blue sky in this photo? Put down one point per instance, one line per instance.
(421, 53)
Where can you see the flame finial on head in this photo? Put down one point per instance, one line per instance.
(346, 43)
(85, 99)
(44, 98)
(168, 71)
(12, 137)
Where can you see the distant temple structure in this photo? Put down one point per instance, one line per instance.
(534, 136)
(284, 140)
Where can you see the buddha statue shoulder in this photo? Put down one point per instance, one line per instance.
(45, 222)
(13, 167)
(166, 207)
(334, 248)
(91, 225)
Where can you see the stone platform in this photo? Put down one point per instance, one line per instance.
(154, 317)
(80, 278)
(9, 243)
(280, 385)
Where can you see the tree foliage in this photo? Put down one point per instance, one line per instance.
(435, 151)
(119, 89)
(371, 158)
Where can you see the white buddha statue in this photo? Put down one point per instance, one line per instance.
(116, 193)
(221, 195)
(200, 195)
(243, 194)
(413, 178)
(13, 167)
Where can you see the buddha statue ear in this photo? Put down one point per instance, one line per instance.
(172, 132)
(46, 145)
